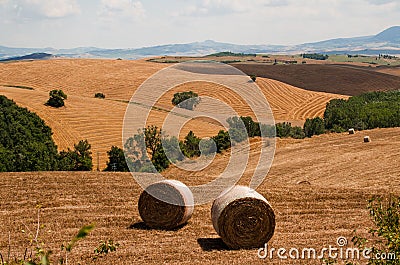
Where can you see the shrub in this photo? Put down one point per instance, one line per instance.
(253, 77)
(56, 99)
(314, 126)
(385, 215)
(99, 95)
(186, 100)
(285, 130)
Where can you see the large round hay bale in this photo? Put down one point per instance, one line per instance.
(352, 131)
(367, 139)
(243, 218)
(167, 204)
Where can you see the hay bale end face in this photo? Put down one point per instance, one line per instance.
(352, 131)
(367, 139)
(166, 205)
(243, 218)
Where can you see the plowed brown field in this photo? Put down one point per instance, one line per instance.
(338, 79)
(343, 173)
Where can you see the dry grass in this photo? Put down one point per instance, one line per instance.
(342, 170)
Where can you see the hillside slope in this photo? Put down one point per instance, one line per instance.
(343, 173)
(100, 121)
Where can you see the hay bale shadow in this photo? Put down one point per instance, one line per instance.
(210, 244)
(143, 226)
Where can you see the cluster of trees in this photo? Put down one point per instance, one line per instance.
(150, 150)
(26, 144)
(186, 100)
(367, 111)
(315, 56)
(232, 54)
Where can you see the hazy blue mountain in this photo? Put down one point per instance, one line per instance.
(386, 42)
(32, 56)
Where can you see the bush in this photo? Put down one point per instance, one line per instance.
(314, 126)
(56, 99)
(253, 77)
(26, 142)
(116, 160)
(385, 215)
(186, 100)
(285, 130)
(99, 95)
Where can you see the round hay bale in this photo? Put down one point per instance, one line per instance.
(367, 139)
(352, 131)
(243, 218)
(167, 205)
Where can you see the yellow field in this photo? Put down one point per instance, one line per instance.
(342, 171)
(100, 121)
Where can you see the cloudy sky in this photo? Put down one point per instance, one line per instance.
(138, 23)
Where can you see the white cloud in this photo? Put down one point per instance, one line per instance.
(111, 9)
(49, 9)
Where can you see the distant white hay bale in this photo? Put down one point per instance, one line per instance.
(352, 131)
(171, 207)
(243, 218)
(367, 139)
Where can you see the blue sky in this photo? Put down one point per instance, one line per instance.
(132, 24)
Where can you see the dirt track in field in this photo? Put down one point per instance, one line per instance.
(343, 173)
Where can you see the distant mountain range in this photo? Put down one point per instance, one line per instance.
(386, 42)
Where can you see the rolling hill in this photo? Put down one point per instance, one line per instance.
(100, 121)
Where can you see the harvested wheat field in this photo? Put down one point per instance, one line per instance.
(389, 70)
(342, 173)
(100, 121)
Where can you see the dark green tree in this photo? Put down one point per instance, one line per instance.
(56, 99)
(145, 150)
(191, 145)
(26, 142)
(99, 95)
(186, 100)
(116, 160)
(79, 159)
(222, 141)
